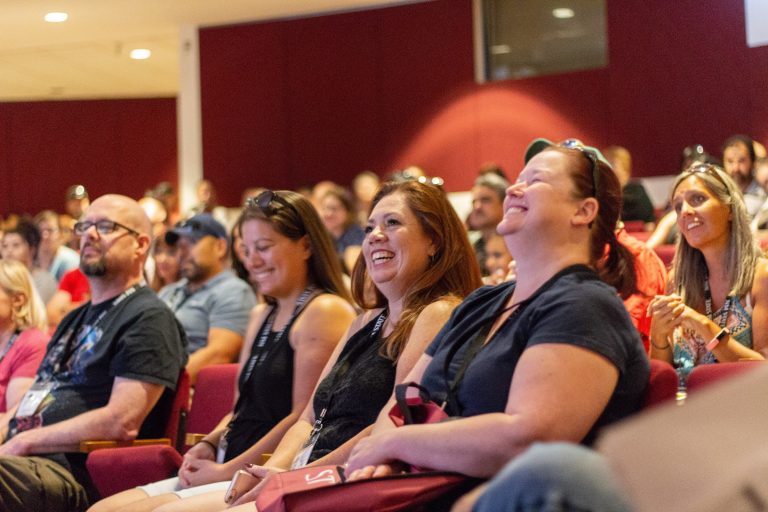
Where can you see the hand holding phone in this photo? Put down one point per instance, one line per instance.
(241, 483)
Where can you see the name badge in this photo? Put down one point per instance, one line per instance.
(35, 399)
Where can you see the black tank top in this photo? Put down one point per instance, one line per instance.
(358, 395)
(267, 399)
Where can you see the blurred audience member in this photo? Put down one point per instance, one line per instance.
(338, 215)
(738, 162)
(205, 194)
(498, 261)
(76, 201)
(73, 292)
(487, 211)
(318, 192)
(66, 232)
(636, 204)
(52, 255)
(166, 264)
(22, 243)
(365, 185)
(22, 335)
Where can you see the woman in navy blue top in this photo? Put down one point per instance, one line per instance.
(556, 357)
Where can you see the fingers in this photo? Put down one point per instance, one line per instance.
(362, 473)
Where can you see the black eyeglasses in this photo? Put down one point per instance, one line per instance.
(264, 202)
(591, 156)
(710, 169)
(103, 227)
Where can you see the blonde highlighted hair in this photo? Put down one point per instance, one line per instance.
(15, 279)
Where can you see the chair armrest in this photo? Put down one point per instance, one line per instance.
(193, 439)
(90, 446)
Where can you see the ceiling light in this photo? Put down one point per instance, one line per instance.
(563, 13)
(56, 17)
(140, 53)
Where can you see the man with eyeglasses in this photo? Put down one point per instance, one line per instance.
(108, 364)
(211, 303)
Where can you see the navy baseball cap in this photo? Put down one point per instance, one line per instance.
(195, 228)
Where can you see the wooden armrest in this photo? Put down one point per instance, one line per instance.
(90, 446)
(193, 439)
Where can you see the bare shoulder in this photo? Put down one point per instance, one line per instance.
(439, 310)
(760, 282)
(328, 306)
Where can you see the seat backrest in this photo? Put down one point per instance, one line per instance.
(666, 253)
(167, 416)
(707, 374)
(662, 384)
(214, 397)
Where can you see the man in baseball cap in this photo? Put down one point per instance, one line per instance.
(210, 302)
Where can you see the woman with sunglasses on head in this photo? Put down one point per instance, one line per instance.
(717, 307)
(289, 339)
(552, 355)
(416, 265)
(22, 336)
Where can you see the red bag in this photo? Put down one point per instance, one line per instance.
(324, 488)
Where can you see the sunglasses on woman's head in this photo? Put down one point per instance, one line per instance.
(591, 156)
(265, 200)
(706, 169)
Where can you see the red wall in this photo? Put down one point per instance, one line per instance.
(122, 146)
(292, 102)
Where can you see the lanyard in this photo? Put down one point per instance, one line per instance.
(259, 355)
(10, 343)
(71, 348)
(708, 304)
(344, 365)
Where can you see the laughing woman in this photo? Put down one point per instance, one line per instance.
(717, 307)
(415, 267)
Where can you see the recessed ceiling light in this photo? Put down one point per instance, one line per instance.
(141, 54)
(563, 13)
(56, 17)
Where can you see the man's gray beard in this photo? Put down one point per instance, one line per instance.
(97, 269)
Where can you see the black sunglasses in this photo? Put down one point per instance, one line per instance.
(591, 156)
(265, 200)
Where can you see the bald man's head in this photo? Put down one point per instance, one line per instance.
(120, 252)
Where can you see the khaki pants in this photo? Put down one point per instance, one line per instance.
(37, 483)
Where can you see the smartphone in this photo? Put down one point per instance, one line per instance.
(242, 482)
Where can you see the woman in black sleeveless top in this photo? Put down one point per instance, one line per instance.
(289, 339)
(416, 265)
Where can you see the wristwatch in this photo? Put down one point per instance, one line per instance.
(718, 338)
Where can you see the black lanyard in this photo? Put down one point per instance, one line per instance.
(259, 355)
(344, 366)
(10, 343)
(70, 348)
(708, 304)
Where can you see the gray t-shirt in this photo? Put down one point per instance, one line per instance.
(224, 302)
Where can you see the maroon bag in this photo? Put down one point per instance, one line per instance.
(324, 488)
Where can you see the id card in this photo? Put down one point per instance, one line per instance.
(35, 400)
(301, 458)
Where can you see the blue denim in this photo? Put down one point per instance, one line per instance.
(554, 477)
